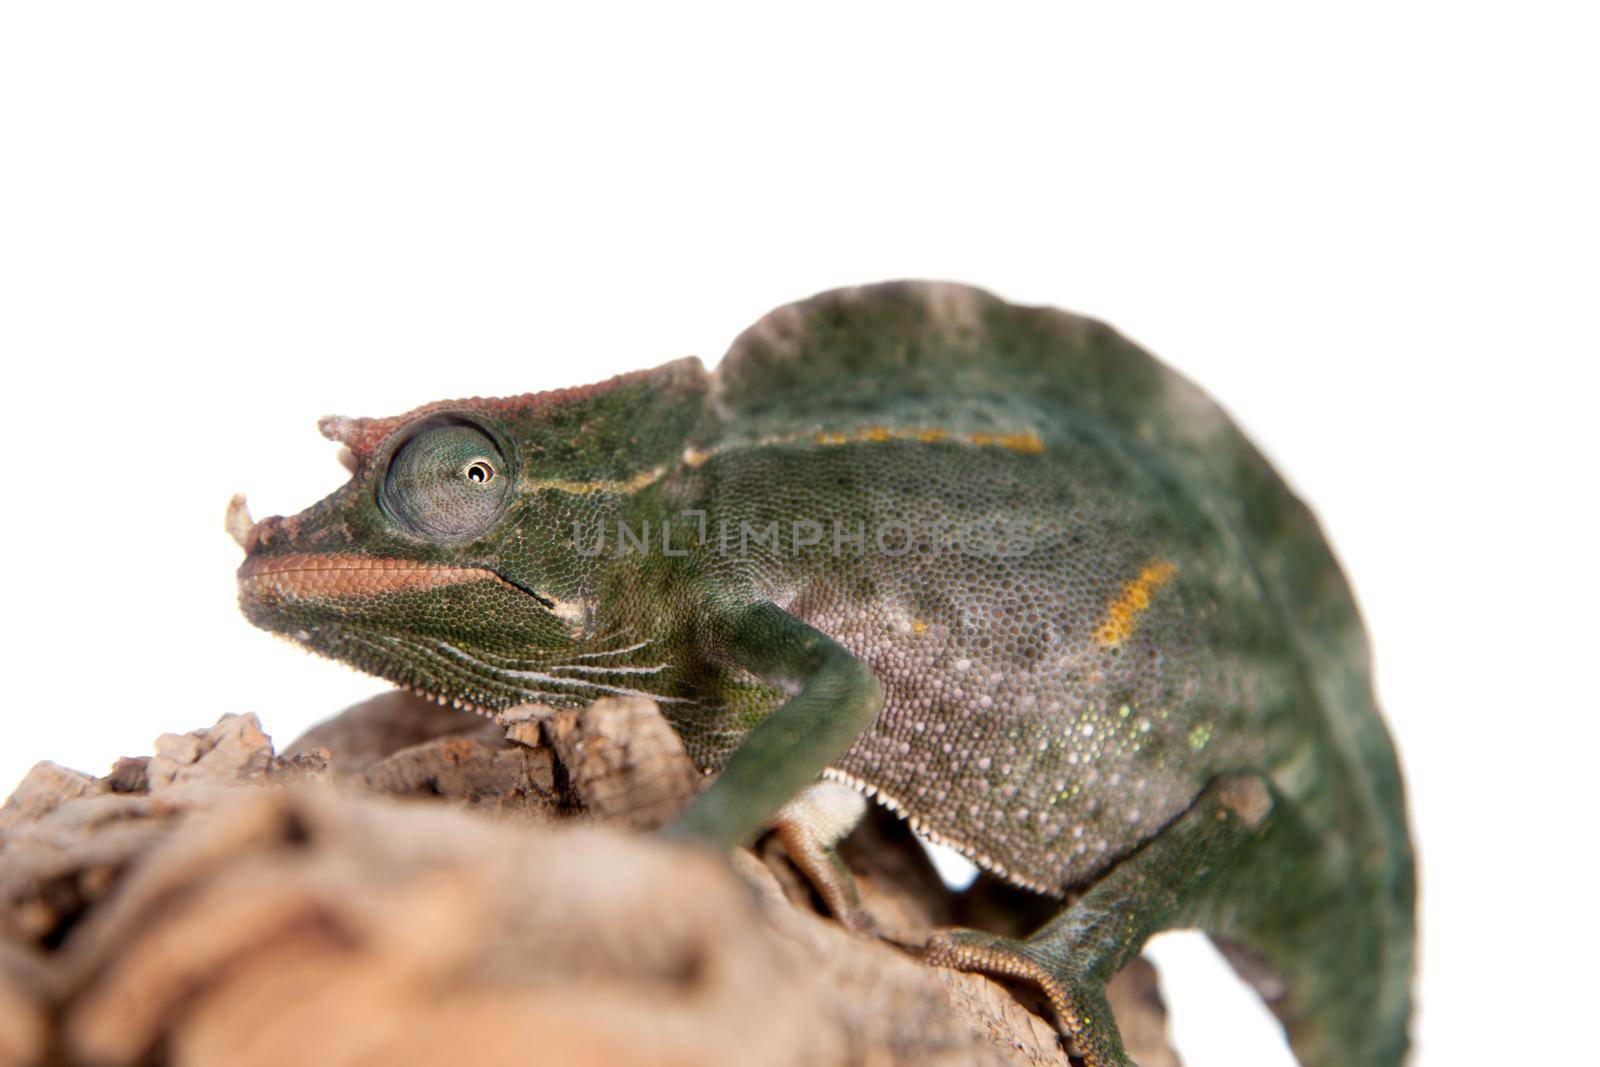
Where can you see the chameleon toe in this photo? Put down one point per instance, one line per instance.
(1082, 1011)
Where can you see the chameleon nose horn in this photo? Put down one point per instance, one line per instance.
(240, 526)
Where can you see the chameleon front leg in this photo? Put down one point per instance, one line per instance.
(1207, 869)
(833, 697)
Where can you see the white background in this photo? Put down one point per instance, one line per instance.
(1371, 231)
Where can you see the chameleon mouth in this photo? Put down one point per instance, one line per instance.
(308, 575)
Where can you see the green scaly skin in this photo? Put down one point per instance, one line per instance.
(992, 565)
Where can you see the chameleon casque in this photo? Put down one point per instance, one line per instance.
(993, 566)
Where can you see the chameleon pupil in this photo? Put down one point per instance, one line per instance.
(480, 472)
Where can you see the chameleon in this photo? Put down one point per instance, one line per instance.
(991, 566)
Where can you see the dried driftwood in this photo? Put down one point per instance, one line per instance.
(408, 885)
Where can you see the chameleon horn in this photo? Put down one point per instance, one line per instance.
(241, 527)
(353, 434)
(339, 428)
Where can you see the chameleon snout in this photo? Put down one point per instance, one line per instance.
(272, 571)
(246, 532)
(259, 592)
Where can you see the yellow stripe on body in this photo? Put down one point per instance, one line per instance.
(625, 485)
(1025, 441)
(1123, 613)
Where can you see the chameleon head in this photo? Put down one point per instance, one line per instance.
(448, 563)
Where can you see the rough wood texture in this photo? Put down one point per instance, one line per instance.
(219, 904)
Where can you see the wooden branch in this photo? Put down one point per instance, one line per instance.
(408, 885)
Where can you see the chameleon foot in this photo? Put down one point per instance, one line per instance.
(1080, 1004)
(810, 827)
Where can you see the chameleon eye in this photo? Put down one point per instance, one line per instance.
(445, 482)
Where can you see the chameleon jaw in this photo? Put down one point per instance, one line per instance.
(319, 576)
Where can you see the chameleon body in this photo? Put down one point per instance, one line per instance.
(992, 565)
